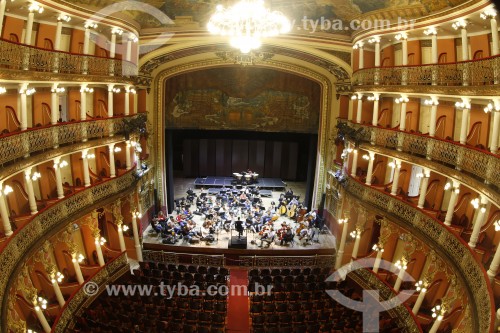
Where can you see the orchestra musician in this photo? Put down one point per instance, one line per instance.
(267, 235)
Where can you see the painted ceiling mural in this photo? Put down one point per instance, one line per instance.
(242, 98)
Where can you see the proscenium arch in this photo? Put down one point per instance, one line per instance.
(326, 103)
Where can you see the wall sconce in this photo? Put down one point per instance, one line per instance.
(34, 7)
(431, 102)
(377, 248)
(375, 39)
(430, 31)
(421, 286)
(402, 99)
(489, 13)
(87, 90)
(402, 35)
(7, 189)
(117, 31)
(90, 25)
(101, 241)
(64, 17)
(460, 24)
(78, 258)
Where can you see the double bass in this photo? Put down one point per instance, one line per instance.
(292, 211)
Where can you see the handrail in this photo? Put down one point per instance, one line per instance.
(479, 162)
(483, 71)
(18, 144)
(26, 57)
(372, 281)
(80, 299)
(456, 249)
(20, 243)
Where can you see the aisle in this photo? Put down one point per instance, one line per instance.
(238, 312)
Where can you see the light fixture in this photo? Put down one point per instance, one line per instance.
(421, 286)
(138, 215)
(58, 90)
(115, 90)
(34, 176)
(475, 203)
(117, 149)
(64, 17)
(78, 258)
(101, 241)
(58, 276)
(431, 102)
(133, 37)
(373, 98)
(90, 25)
(40, 302)
(394, 165)
(343, 221)
(358, 45)
(131, 90)
(401, 264)
(60, 165)
(27, 92)
(491, 107)
(438, 312)
(367, 157)
(462, 105)
(3, 90)
(377, 248)
(123, 227)
(375, 39)
(489, 13)
(430, 31)
(460, 24)
(497, 225)
(7, 189)
(402, 35)
(35, 7)
(87, 90)
(354, 97)
(356, 234)
(402, 99)
(246, 23)
(89, 156)
(117, 31)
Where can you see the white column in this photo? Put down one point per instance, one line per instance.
(127, 101)
(433, 118)
(451, 204)
(354, 162)
(361, 55)
(57, 40)
(404, 47)
(359, 110)
(492, 271)
(29, 28)
(436, 325)
(78, 270)
(112, 169)
(481, 214)
(370, 168)
(31, 192)
(418, 303)
(121, 240)
(57, 291)
(377, 51)
(395, 180)
(423, 189)
(54, 105)
(465, 44)
(4, 213)
(355, 248)
(495, 132)
(375, 109)
(402, 117)
(24, 106)
(86, 41)
(86, 173)
(43, 321)
(343, 239)
(434, 48)
(128, 158)
(112, 46)
(111, 110)
(464, 128)
(378, 259)
(494, 36)
(137, 242)
(98, 249)
(128, 54)
(3, 3)
(83, 102)
(59, 184)
(137, 158)
(399, 280)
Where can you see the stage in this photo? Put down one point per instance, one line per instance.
(266, 183)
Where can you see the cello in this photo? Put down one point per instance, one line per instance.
(292, 211)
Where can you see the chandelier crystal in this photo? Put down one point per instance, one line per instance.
(246, 23)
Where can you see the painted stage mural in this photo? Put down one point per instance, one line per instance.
(235, 101)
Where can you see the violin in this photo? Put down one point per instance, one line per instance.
(300, 228)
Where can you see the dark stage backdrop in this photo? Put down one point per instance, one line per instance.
(220, 153)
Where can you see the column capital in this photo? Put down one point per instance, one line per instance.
(116, 31)
(430, 31)
(460, 24)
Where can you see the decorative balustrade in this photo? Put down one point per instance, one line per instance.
(475, 161)
(18, 246)
(370, 281)
(23, 57)
(80, 300)
(456, 250)
(327, 261)
(472, 73)
(24, 143)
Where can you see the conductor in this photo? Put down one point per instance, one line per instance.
(239, 228)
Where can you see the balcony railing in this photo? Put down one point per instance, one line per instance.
(459, 254)
(30, 58)
(19, 144)
(478, 162)
(370, 281)
(80, 300)
(472, 73)
(24, 239)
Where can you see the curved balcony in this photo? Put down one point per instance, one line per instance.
(443, 239)
(17, 56)
(20, 144)
(50, 220)
(80, 299)
(480, 163)
(481, 72)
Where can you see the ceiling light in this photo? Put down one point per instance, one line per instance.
(246, 23)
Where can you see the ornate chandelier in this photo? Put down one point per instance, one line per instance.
(246, 23)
